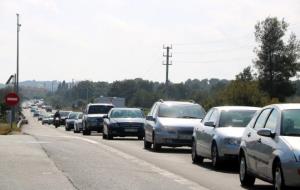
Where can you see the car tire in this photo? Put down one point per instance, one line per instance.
(156, 147)
(110, 136)
(195, 157)
(147, 145)
(140, 138)
(86, 132)
(67, 128)
(278, 178)
(104, 136)
(216, 162)
(246, 179)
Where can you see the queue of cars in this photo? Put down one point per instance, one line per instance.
(264, 141)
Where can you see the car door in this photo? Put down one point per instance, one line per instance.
(253, 139)
(266, 146)
(209, 132)
(199, 132)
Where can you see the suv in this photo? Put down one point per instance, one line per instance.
(93, 117)
(171, 123)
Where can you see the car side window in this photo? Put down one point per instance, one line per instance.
(207, 116)
(261, 120)
(152, 110)
(272, 121)
(214, 116)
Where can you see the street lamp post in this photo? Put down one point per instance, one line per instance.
(17, 77)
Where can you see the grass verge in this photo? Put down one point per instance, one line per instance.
(6, 130)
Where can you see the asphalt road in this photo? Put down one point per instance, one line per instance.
(88, 162)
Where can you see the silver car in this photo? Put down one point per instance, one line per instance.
(171, 123)
(270, 147)
(78, 123)
(219, 135)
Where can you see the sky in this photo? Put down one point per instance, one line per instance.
(109, 40)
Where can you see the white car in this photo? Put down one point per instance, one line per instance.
(270, 147)
(219, 134)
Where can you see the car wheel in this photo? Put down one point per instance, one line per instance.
(215, 156)
(246, 179)
(278, 178)
(67, 128)
(195, 157)
(156, 146)
(140, 138)
(110, 136)
(147, 145)
(86, 132)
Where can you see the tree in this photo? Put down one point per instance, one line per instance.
(245, 75)
(276, 59)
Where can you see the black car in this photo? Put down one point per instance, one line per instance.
(121, 122)
(63, 116)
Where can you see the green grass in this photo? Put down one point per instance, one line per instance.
(5, 128)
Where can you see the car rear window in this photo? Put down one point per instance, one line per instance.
(236, 118)
(181, 111)
(99, 109)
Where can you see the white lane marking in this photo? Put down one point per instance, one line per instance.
(177, 178)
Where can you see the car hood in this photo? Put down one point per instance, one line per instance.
(127, 120)
(293, 142)
(236, 132)
(178, 122)
(95, 115)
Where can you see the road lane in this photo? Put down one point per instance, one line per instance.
(175, 161)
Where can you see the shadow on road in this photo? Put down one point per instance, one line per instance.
(230, 167)
(173, 150)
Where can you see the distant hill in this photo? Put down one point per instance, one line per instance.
(48, 85)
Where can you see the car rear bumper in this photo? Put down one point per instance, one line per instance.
(291, 172)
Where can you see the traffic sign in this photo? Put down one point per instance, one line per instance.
(12, 99)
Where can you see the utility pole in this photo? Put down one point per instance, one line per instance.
(167, 64)
(17, 78)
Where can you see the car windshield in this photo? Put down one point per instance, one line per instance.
(99, 109)
(236, 118)
(181, 111)
(290, 123)
(127, 114)
(73, 115)
(64, 113)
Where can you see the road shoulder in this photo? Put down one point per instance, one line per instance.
(25, 165)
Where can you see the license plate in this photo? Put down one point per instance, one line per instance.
(185, 137)
(130, 130)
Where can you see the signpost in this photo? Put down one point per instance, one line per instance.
(11, 99)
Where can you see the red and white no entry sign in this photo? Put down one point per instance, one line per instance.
(12, 99)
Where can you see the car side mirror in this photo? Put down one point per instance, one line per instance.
(266, 133)
(210, 124)
(150, 118)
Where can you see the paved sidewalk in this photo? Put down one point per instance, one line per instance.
(25, 165)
